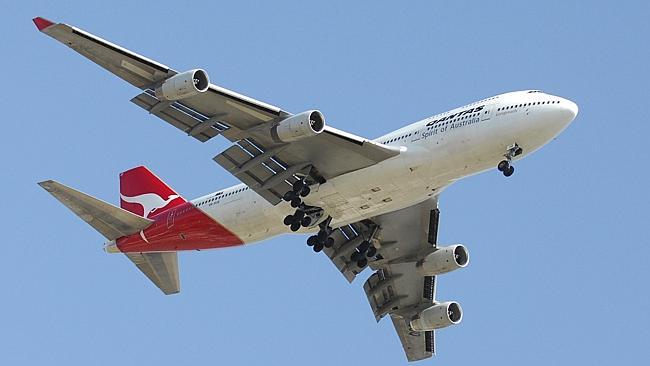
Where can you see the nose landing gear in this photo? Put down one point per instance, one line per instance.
(505, 165)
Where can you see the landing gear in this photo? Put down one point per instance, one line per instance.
(298, 190)
(505, 166)
(364, 251)
(322, 239)
(304, 215)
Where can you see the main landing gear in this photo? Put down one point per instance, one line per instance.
(504, 165)
(303, 217)
(322, 239)
(364, 251)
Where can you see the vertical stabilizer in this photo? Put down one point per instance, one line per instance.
(144, 194)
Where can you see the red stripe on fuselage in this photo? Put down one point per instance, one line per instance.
(183, 227)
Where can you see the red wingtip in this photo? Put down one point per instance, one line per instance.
(42, 23)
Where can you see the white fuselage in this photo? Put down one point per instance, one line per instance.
(433, 156)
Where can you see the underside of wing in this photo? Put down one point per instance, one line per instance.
(401, 247)
(260, 157)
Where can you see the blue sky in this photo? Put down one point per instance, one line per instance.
(559, 251)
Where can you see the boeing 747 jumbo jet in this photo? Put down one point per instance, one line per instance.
(364, 203)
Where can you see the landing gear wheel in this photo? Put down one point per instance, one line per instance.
(306, 221)
(299, 215)
(363, 247)
(322, 236)
(298, 185)
(503, 165)
(288, 220)
(510, 171)
(289, 196)
(312, 240)
(362, 262)
(318, 247)
(295, 202)
(305, 191)
(329, 242)
(356, 256)
(372, 251)
(295, 226)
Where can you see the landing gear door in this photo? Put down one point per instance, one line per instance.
(487, 112)
(416, 135)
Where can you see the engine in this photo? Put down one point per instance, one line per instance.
(300, 126)
(438, 316)
(183, 85)
(443, 260)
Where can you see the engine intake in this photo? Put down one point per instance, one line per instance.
(299, 126)
(443, 260)
(183, 85)
(438, 316)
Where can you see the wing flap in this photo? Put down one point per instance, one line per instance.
(192, 122)
(111, 221)
(258, 168)
(160, 268)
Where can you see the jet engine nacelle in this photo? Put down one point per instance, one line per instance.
(438, 316)
(443, 260)
(300, 126)
(183, 85)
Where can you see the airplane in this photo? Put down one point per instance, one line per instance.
(365, 203)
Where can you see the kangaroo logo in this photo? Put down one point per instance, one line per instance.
(149, 202)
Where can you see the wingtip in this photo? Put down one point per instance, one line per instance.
(42, 23)
(46, 184)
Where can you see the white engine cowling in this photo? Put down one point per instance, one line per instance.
(300, 126)
(183, 85)
(443, 260)
(438, 316)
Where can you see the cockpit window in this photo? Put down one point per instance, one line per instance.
(534, 91)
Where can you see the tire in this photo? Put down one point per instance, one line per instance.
(318, 247)
(312, 240)
(305, 191)
(295, 226)
(510, 171)
(329, 242)
(295, 202)
(356, 256)
(298, 185)
(299, 215)
(363, 247)
(322, 236)
(503, 165)
(288, 220)
(288, 196)
(362, 262)
(306, 221)
(371, 252)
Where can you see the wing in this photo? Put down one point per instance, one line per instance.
(396, 289)
(266, 165)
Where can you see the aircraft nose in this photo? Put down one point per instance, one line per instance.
(569, 110)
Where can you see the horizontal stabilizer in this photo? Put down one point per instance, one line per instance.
(111, 221)
(160, 268)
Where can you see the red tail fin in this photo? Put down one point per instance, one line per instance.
(143, 193)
